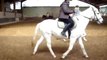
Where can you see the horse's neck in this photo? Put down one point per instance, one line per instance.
(81, 22)
(87, 13)
(85, 17)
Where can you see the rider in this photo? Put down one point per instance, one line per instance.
(64, 17)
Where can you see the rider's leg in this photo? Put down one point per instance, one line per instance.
(69, 33)
(66, 26)
(69, 23)
(65, 29)
(70, 27)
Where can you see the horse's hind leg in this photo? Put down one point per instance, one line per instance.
(37, 44)
(82, 47)
(48, 39)
(83, 36)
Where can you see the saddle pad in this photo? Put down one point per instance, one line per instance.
(60, 24)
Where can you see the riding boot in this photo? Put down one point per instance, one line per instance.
(69, 33)
(65, 29)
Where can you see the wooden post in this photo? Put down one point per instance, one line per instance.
(21, 11)
(14, 9)
(2, 7)
(2, 4)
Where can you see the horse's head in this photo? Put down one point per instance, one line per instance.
(97, 15)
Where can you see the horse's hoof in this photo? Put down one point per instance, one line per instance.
(86, 57)
(54, 56)
(63, 58)
(33, 53)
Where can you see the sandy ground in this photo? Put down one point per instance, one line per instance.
(15, 44)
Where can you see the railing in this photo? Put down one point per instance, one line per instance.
(9, 18)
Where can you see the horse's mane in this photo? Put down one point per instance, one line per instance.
(89, 10)
(85, 11)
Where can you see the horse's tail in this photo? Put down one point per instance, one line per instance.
(36, 30)
(35, 33)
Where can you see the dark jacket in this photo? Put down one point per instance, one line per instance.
(65, 11)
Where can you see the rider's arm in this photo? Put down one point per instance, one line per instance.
(66, 9)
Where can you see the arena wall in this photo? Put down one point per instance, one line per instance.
(9, 15)
(40, 11)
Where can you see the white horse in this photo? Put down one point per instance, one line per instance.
(49, 27)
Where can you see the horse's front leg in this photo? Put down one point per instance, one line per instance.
(48, 39)
(71, 44)
(82, 47)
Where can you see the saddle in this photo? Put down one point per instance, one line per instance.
(61, 24)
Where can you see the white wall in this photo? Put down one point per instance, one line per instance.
(39, 11)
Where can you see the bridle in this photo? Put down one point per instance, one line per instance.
(91, 18)
(97, 19)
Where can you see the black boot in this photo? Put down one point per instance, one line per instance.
(65, 29)
(69, 33)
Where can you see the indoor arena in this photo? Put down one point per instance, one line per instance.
(17, 30)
